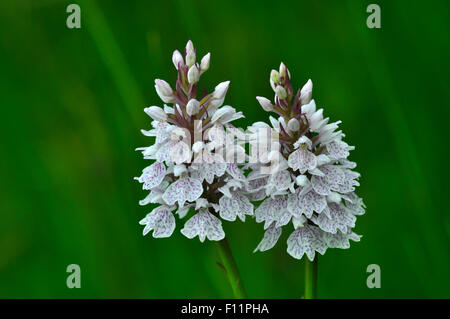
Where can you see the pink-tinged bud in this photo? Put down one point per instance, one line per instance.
(280, 92)
(221, 90)
(193, 75)
(283, 70)
(190, 54)
(164, 91)
(177, 59)
(204, 64)
(293, 125)
(274, 79)
(192, 107)
(189, 46)
(265, 103)
(156, 113)
(316, 119)
(306, 92)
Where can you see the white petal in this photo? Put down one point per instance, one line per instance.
(320, 185)
(182, 190)
(161, 221)
(302, 160)
(156, 113)
(265, 103)
(299, 221)
(309, 108)
(179, 169)
(182, 211)
(221, 90)
(306, 240)
(340, 219)
(280, 180)
(204, 225)
(338, 149)
(305, 204)
(228, 208)
(201, 203)
(245, 206)
(180, 153)
(271, 210)
(234, 170)
(152, 175)
(270, 238)
(303, 140)
(341, 240)
(198, 146)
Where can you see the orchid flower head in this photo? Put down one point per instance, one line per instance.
(191, 175)
(313, 189)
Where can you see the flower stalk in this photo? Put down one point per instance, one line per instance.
(311, 272)
(231, 270)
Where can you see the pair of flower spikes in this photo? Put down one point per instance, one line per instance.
(299, 176)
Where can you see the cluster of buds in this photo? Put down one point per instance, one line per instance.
(312, 186)
(190, 172)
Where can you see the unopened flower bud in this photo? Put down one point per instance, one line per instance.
(190, 54)
(301, 180)
(204, 64)
(283, 70)
(221, 90)
(156, 113)
(306, 92)
(274, 79)
(164, 91)
(265, 103)
(280, 92)
(293, 125)
(193, 75)
(193, 107)
(177, 59)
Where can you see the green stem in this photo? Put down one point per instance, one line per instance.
(311, 278)
(231, 270)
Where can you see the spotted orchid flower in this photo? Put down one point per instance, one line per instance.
(312, 185)
(190, 170)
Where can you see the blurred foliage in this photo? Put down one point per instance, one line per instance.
(71, 104)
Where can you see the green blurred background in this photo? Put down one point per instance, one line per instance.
(72, 104)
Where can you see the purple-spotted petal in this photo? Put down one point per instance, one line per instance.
(182, 190)
(152, 175)
(302, 160)
(280, 180)
(161, 221)
(320, 185)
(306, 204)
(341, 240)
(228, 208)
(339, 219)
(338, 149)
(306, 240)
(270, 210)
(270, 238)
(204, 225)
